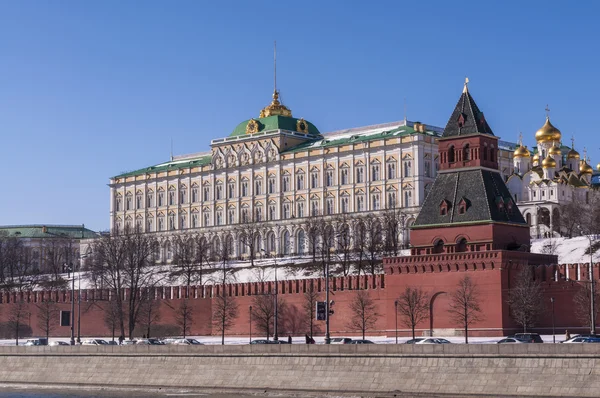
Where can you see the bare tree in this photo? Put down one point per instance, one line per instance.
(18, 276)
(249, 233)
(313, 233)
(525, 299)
(149, 310)
(343, 241)
(47, 316)
(311, 296)
(225, 307)
(125, 263)
(582, 300)
(263, 313)
(190, 259)
(465, 308)
(392, 222)
(364, 312)
(57, 253)
(360, 244)
(413, 307)
(570, 216)
(184, 317)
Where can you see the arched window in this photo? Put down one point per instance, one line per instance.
(438, 246)
(285, 249)
(461, 245)
(451, 154)
(301, 242)
(466, 153)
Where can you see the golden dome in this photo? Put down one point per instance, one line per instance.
(536, 157)
(275, 108)
(554, 150)
(522, 152)
(573, 154)
(598, 167)
(585, 168)
(548, 132)
(548, 162)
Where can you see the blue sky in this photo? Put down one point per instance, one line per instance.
(91, 89)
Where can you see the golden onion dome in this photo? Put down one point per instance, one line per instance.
(585, 168)
(598, 167)
(536, 157)
(573, 154)
(554, 150)
(548, 133)
(548, 162)
(522, 152)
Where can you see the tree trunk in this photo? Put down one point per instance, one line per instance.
(413, 331)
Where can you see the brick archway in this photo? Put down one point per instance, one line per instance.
(431, 310)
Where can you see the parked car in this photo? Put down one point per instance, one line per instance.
(186, 342)
(112, 342)
(580, 337)
(592, 340)
(169, 340)
(511, 340)
(56, 343)
(40, 341)
(433, 340)
(528, 337)
(129, 342)
(264, 341)
(361, 342)
(340, 340)
(94, 342)
(415, 341)
(149, 342)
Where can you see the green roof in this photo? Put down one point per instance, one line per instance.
(356, 138)
(47, 231)
(173, 165)
(274, 123)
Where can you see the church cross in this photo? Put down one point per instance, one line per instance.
(547, 111)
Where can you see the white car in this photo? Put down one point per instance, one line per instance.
(432, 340)
(57, 343)
(94, 342)
(186, 342)
(511, 340)
(577, 339)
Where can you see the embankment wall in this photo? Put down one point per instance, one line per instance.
(496, 370)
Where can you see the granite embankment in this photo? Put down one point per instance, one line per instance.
(524, 369)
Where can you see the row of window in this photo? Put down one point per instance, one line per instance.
(258, 215)
(170, 199)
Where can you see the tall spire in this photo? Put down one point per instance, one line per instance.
(520, 138)
(466, 119)
(276, 108)
(572, 141)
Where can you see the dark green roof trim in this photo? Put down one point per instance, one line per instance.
(174, 165)
(465, 223)
(345, 139)
(272, 123)
(50, 232)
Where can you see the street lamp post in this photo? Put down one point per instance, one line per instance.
(70, 271)
(327, 309)
(537, 220)
(592, 288)
(553, 329)
(275, 305)
(396, 312)
(79, 300)
(250, 324)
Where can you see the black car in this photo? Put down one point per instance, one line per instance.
(268, 342)
(528, 337)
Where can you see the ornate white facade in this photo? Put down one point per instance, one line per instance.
(277, 171)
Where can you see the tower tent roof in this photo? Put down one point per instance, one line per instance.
(484, 189)
(466, 119)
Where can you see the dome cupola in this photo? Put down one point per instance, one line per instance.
(548, 132)
(585, 168)
(555, 150)
(573, 154)
(548, 162)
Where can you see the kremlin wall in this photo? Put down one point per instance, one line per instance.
(492, 272)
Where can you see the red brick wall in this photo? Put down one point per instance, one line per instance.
(491, 271)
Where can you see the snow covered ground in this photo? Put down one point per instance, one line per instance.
(568, 251)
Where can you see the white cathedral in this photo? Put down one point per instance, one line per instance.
(549, 176)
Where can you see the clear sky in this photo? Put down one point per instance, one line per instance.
(92, 89)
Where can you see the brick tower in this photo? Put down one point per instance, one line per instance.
(469, 223)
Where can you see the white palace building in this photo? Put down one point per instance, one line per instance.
(278, 170)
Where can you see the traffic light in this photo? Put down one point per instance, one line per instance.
(321, 310)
